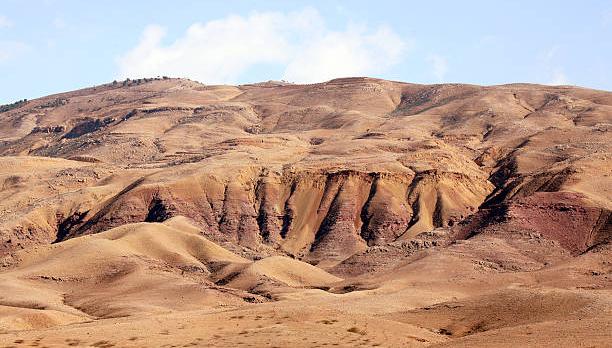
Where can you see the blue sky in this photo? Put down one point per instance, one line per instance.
(52, 45)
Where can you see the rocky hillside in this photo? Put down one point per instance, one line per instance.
(369, 212)
(319, 172)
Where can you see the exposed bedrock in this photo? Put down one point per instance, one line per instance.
(565, 217)
(314, 215)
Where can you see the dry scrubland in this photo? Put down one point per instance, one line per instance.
(356, 212)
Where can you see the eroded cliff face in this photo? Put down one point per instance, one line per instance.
(313, 215)
(318, 172)
(568, 219)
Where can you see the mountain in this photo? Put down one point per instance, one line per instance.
(368, 211)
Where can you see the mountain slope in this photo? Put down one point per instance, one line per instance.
(354, 197)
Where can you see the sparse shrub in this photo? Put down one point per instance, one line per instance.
(356, 330)
(54, 103)
(8, 107)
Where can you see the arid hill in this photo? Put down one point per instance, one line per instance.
(353, 212)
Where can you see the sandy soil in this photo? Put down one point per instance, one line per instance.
(356, 212)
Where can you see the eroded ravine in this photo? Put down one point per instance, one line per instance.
(317, 215)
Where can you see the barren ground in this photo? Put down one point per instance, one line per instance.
(356, 212)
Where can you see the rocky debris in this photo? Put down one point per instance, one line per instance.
(88, 126)
(53, 103)
(49, 129)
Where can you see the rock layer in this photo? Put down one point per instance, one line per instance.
(318, 172)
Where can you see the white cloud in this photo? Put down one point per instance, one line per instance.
(439, 66)
(11, 49)
(558, 78)
(221, 51)
(5, 22)
(353, 52)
